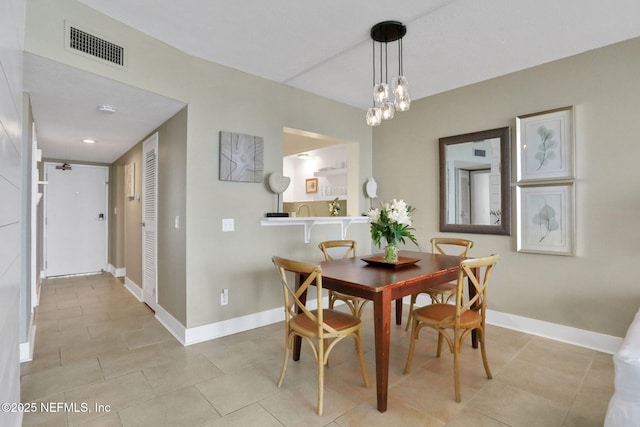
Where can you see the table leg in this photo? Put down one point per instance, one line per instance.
(399, 311)
(382, 324)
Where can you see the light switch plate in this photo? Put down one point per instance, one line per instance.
(228, 224)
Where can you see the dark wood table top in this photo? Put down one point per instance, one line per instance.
(363, 279)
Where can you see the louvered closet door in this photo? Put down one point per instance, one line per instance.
(149, 221)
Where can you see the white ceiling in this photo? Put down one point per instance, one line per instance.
(324, 47)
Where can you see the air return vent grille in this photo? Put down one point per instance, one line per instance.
(80, 41)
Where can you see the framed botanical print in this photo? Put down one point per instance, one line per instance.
(545, 146)
(545, 218)
(311, 184)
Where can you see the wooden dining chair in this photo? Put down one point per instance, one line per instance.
(322, 328)
(441, 294)
(347, 249)
(454, 322)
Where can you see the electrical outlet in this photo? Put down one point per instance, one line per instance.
(228, 224)
(224, 297)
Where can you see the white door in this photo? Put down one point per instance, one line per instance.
(149, 221)
(75, 219)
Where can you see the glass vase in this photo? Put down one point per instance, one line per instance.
(391, 253)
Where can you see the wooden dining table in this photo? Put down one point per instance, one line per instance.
(383, 284)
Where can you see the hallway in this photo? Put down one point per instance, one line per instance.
(100, 349)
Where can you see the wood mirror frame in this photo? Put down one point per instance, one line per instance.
(504, 219)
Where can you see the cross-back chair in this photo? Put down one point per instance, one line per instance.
(348, 248)
(444, 292)
(454, 322)
(322, 328)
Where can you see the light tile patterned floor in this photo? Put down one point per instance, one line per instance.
(97, 345)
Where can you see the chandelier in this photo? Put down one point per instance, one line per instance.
(383, 107)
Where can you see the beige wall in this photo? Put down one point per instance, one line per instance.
(172, 253)
(116, 216)
(125, 229)
(595, 290)
(224, 99)
(171, 203)
(219, 99)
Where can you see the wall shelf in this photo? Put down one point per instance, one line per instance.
(312, 221)
(331, 172)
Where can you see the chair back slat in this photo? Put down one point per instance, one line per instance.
(349, 247)
(293, 305)
(441, 244)
(477, 271)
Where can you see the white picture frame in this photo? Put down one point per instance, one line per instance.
(546, 218)
(545, 146)
(130, 179)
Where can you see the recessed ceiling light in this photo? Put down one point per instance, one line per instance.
(303, 155)
(107, 109)
(89, 141)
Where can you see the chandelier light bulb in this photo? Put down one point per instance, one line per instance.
(381, 93)
(387, 110)
(400, 86)
(374, 116)
(403, 102)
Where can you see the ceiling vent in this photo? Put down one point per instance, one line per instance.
(93, 46)
(479, 153)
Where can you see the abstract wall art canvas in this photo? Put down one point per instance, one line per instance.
(241, 157)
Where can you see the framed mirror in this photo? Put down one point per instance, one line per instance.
(475, 194)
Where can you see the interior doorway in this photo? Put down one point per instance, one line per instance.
(333, 164)
(76, 220)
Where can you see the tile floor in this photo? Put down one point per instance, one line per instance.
(101, 350)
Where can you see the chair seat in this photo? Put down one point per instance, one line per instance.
(436, 313)
(336, 319)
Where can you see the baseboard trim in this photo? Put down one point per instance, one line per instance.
(26, 348)
(567, 334)
(197, 334)
(232, 326)
(172, 325)
(582, 338)
(135, 290)
(116, 272)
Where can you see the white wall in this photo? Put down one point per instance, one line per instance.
(301, 169)
(11, 44)
(596, 290)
